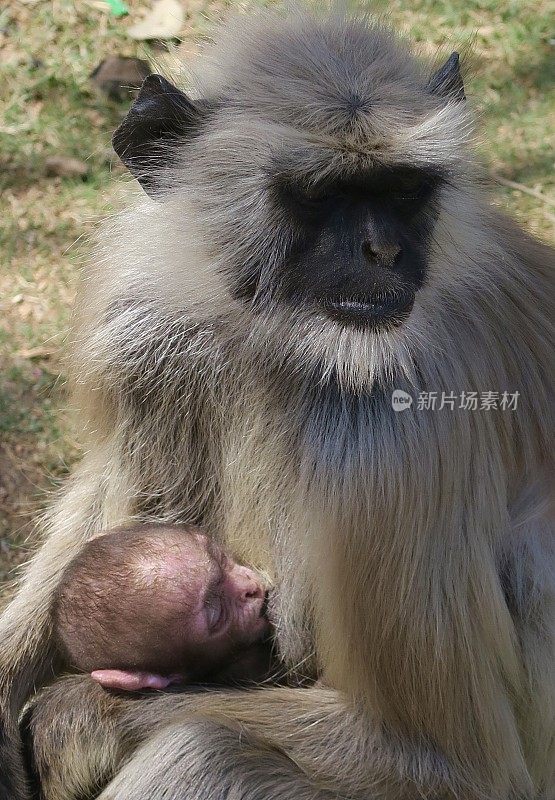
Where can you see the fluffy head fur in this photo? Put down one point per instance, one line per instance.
(309, 101)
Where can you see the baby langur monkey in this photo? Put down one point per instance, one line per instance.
(148, 606)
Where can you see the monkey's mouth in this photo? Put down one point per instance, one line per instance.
(390, 308)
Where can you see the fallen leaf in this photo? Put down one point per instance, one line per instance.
(36, 352)
(65, 167)
(163, 21)
(117, 75)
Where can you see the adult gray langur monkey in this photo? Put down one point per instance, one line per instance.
(316, 235)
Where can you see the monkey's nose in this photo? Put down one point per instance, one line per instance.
(384, 255)
(250, 586)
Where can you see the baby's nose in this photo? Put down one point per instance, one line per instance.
(249, 584)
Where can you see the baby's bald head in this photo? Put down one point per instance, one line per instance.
(157, 598)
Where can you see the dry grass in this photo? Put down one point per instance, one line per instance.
(48, 48)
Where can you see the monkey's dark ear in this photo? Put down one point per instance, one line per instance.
(447, 81)
(159, 117)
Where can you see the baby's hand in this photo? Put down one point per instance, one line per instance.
(129, 681)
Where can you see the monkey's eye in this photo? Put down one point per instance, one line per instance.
(214, 613)
(407, 187)
(411, 191)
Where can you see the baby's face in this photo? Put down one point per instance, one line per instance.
(195, 609)
(224, 602)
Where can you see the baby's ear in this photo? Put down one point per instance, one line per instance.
(129, 681)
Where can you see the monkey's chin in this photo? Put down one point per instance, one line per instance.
(366, 312)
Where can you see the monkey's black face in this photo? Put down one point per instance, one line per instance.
(358, 250)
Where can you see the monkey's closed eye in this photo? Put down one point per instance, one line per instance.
(408, 187)
(214, 613)
(412, 192)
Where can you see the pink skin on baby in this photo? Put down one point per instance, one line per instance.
(223, 602)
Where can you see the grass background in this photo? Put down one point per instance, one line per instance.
(48, 48)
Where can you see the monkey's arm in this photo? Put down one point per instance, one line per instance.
(303, 743)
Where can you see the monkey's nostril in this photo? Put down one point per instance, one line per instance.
(253, 592)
